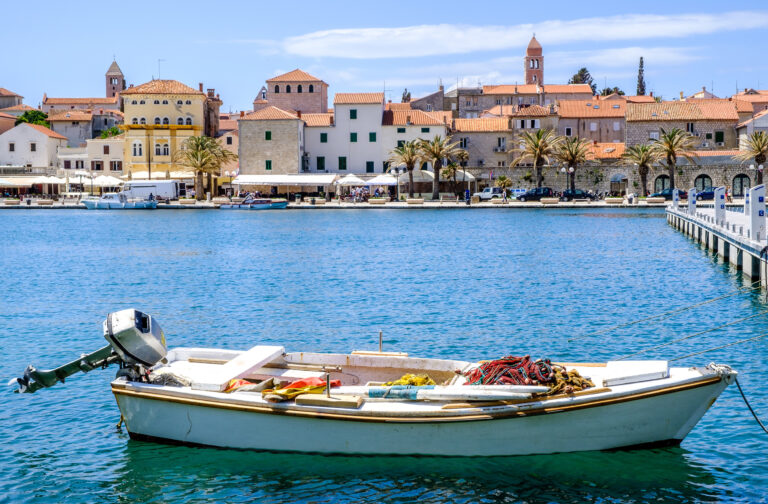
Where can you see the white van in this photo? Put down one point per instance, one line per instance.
(159, 189)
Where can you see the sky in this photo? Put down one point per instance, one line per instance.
(64, 48)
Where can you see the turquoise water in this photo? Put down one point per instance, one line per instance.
(451, 283)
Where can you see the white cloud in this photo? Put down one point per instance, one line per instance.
(622, 57)
(432, 40)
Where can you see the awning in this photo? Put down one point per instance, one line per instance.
(351, 180)
(319, 179)
(107, 181)
(382, 180)
(418, 176)
(160, 175)
(21, 181)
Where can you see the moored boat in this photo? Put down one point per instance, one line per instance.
(256, 204)
(225, 398)
(118, 201)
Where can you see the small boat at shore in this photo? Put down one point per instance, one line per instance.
(265, 398)
(256, 204)
(118, 201)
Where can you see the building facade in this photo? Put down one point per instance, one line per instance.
(100, 156)
(600, 119)
(9, 98)
(534, 62)
(297, 91)
(31, 146)
(271, 142)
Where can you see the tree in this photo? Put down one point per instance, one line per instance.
(504, 183)
(671, 145)
(407, 154)
(583, 77)
(572, 152)
(406, 96)
(641, 79)
(436, 151)
(33, 117)
(203, 155)
(755, 148)
(609, 91)
(113, 131)
(449, 172)
(643, 156)
(537, 148)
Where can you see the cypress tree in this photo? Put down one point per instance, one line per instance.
(641, 79)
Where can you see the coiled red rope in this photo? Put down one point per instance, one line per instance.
(511, 370)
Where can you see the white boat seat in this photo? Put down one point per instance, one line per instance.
(216, 378)
(624, 372)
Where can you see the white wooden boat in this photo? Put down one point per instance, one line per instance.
(256, 204)
(633, 403)
(117, 201)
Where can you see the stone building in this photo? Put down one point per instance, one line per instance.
(7, 121)
(400, 126)
(297, 91)
(711, 122)
(53, 105)
(758, 98)
(488, 141)
(464, 102)
(9, 98)
(759, 122)
(431, 102)
(81, 125)
(229, 138)
(599, 119)
(114, 80)
(532, 94)
(534, 63)
(271, 142)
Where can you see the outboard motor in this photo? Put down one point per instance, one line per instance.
(136, 342)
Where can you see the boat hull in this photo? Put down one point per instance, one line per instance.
(102, 205)
(660, 417)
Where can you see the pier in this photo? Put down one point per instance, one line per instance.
(737, 234)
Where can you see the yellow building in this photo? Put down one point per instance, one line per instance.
(159, 116)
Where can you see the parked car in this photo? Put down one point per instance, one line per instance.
(490, 193)
(536, 194)
(569, 195)
(706, 194)
(667, 194)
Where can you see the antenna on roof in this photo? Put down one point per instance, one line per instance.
(158, 67)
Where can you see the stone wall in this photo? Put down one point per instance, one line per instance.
(284, 149)
(306, 102)
(640, 131)
(604, 128)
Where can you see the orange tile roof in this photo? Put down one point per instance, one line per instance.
(402, 118)
(444, 116)
(318, 119)
(480, 125)
(574, 109)
(699, 110)
(45, 131)
(640, 99)
(714, 153)
(159, 86)
(294, 76)
(606, 150)
(270, 113)
(568, 89)
(70, 115)
(358, 98)
(3, 115)
(508, 89)
(743, 106)
(227, 124)
(80, 101)
(19, 107)
(260, 101)
(397, 106)
(517, 111)
(752, 98)
(5, 92)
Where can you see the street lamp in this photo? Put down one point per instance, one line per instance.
(398, 172)
(562, 170)
(570, 171)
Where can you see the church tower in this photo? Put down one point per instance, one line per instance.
(115, 80)
(534, 63)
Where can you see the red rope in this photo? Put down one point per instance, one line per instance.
(511, 370)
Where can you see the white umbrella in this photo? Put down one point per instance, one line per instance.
(351, 180)
(107, 181)
(418, 176)
(382, 180)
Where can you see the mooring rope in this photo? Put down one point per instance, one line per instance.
(762, 426)
(745, 340)
(656, 347)
(667, 314)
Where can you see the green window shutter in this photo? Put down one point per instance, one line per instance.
(386, 166)
(719, 136)
(342, 163)
(353, 137)
(400, 143)
(401, 130)
(323, 137)
(425, 130)
(267, 135)
(369, 167)
(353, 113)
(371, 137)
(268, 164)
(708, 136)
(320, 162)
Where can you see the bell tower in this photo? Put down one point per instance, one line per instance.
(115, 80)
(534, 63)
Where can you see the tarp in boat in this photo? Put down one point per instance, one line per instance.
(309, 180)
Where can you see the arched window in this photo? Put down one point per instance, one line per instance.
(165, 102)
(179, 102)
(143, 120)
(311, 88)
(661, 183)
(157, 120)
(702, 182)
(166, 150)
(277, 89)
(142, 102)
(740, 185)
(134, 121)
(157, 149)
(166, 121)
(287, 88)
(188, 102)
(133, 102)
(157, 102)
(298, 89)
(263, 95)
(180, 121)
(137, 149)
(189, 121)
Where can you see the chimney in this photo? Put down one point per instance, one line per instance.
(331, 120)
(242, 114)
(298, 114)
(703, 88)
(211, 92)
(681, 95)
(651, 94)
(408, 120)
(441, 89)
(200, 86)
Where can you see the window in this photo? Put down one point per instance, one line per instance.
(369, 167)
(166, 121)
(353, 137)
(299, 89)
(105, 150)
(321, 163)
(179, 102)
(115, 165)
(166, 150)
(323, 137)
(11, 147)
(593, 126)
(521, 124)
(740, 185)
(79, 164)
(158, 150)
(142, 102)
(702, 182)
(188, 122)
(133, 102)
(401, 130)
(105, 121)
(268, 164)
(400, 143)
(353, 113)
(229, 140)
(653, 135)
(568, 132)
(311, 88)
(157, 120)
(708, 136)
(429, 107)
(501, 142)
(498, 101)
(501, 164)
(425, 130)
(143, 120)
(616, 126)
(137, 148)
(719, 136)
(342, 163)
(33, 147)
(372, 136)
(188, 102)
(165, 102)
(661, 183)
(288, 88)
(277, 89)
(157, 102)
(267, 135)
(67, 164)
(689, 127)
(96, 165)
(463, 141)
(180, 121)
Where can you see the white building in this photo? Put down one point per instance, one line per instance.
(31, 146)
(401, 126)
(100, 156)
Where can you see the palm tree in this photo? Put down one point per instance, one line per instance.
(462, 157)
(755, 147)
(671, 145)
(571, 152)
(406, 154)
(504, 183)
(537, 147)
(203, 155)
(436, 151)
(449, 172)
(643, 156)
